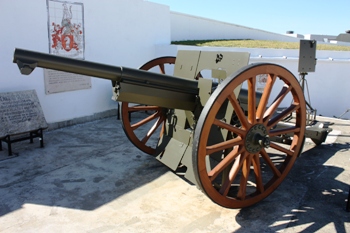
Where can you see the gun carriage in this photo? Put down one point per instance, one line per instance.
(235, 139)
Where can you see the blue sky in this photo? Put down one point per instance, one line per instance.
(301, 16)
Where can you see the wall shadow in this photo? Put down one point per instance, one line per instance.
(81, 167)
(309, 199)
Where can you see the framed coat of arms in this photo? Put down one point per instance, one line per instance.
(66, 28)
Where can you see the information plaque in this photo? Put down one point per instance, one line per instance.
(20, 112)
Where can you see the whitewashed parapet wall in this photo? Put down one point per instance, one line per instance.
(329, 85)
(131, 32)
(189, 27)
(122, 32)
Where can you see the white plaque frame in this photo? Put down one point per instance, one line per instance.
(66, 38)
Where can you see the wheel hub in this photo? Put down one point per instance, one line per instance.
(257, 138)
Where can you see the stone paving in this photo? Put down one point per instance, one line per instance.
(90, 178)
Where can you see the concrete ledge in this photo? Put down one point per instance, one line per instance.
(80, 120)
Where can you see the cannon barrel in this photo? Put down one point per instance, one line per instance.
(27, 60)
(133, 85)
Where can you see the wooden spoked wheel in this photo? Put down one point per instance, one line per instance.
(141, 130)
(235, 162)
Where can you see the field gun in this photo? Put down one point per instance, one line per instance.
(236, 134)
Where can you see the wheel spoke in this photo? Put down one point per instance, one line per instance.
(143, 108)
(225, 162)
(296, 139)
(229, 127)
(238, 110)
(145, 121)
(153, 129)
(224, 145)
(269, 112)
(225, 188)
(265, 97)
(282, 149)
(282, 115)
(244, 178)
(258, 174)
(284, 131)
(272, 166)
(251, 100)
(162, 69)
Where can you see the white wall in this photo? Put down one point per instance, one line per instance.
(319, 37)
(329, 85)
(131, 32)
(189, 27)
(117, 32)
